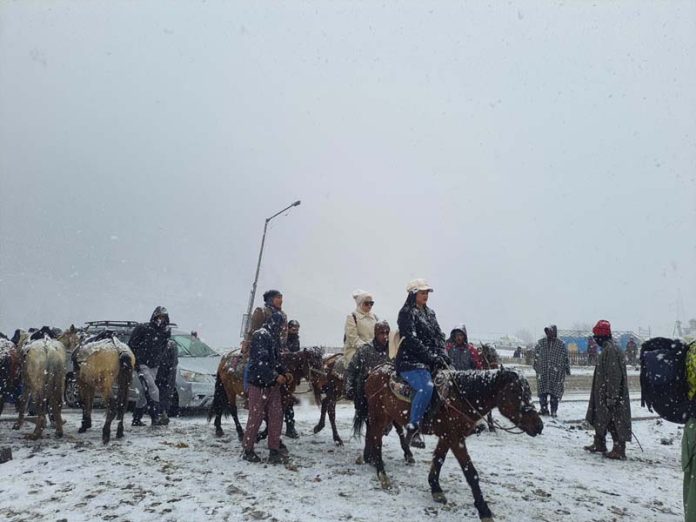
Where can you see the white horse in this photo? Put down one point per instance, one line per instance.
(43, 374)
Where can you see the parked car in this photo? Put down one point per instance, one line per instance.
(195, 380)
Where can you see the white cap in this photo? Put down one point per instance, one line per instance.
(361, 296)
(418, 285)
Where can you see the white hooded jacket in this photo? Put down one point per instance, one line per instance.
(360, 326)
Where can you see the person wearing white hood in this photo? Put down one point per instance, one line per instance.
(360, 325)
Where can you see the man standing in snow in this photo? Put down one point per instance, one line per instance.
(609, 408)
(464, 356)
(292, 346)
(551, 364)
(149, 343)
(266, 376)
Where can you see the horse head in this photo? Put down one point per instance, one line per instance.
(314, 362)
(71, 338)
(514, 401)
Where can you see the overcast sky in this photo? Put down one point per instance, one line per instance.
(535, 161)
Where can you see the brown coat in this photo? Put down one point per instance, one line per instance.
(609, 400)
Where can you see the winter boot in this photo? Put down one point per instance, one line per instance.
(598, 446)
(554, 406)
(417, 441)
(283, 448)
(250, 456)
(543, 404)
(164, 418)
(618, 452)
(276, 457)
(411, 432)
(138, 417)
(156, 414)
(290, 431)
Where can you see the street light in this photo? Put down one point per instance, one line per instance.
(252, 296)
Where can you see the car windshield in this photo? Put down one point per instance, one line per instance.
(189, 346)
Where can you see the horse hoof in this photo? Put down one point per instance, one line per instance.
(440, 497)
(338, 442)
(409, 459)
(32, 436)
(15, 426)
(82, 429)
(318, 428)
(105, 440)
(59, 435)
(487, 519)
(119, 433)
(219, 433)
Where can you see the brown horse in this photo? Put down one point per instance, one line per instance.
(229, 383)
(10, 375)
(331, 384)
(452, 422)
(100, 363)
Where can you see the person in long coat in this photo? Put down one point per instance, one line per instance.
(609, 408)
(360, 325)
(551, 364)
(688, 454)
(422, 351)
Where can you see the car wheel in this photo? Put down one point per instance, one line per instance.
(71, 394)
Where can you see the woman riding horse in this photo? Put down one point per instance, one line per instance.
(422, 350)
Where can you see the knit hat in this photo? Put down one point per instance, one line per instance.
(418, 285)
(602, 329)
(361, 296)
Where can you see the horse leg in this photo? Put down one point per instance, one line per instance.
(40, 416)
(237, 424)
(408, 456)
(110, 414)
(472, 478)
(322, 416)
(489, 420)
(87, 400)
(57, 405)
(21, 406)
(434, 476)
(332, 418)
(125, 376)
(373, 450)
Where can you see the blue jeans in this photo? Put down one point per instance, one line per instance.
(422, 383)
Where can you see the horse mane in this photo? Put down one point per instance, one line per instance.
(45, 331)
(474, 383)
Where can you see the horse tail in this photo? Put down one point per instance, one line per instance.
(360, 416)
(125, 376)
(220, 403)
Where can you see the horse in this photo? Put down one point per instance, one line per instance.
(100, 362)
(331, 384)
(10, 374)
(229, 382)
(471, 395)
(43, 375)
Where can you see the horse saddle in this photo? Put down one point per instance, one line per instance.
(403, 391)
(236, 364)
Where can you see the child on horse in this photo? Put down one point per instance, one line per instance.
(422, 350)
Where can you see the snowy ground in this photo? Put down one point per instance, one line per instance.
(183, 472)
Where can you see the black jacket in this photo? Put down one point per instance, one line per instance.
(422, 339)
(264, 359)
(149, 342)
(365, 359)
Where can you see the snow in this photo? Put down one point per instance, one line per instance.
(182, 472)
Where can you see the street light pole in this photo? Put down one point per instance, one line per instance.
(252, 296)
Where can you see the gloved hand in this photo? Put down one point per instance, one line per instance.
(289, 378)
